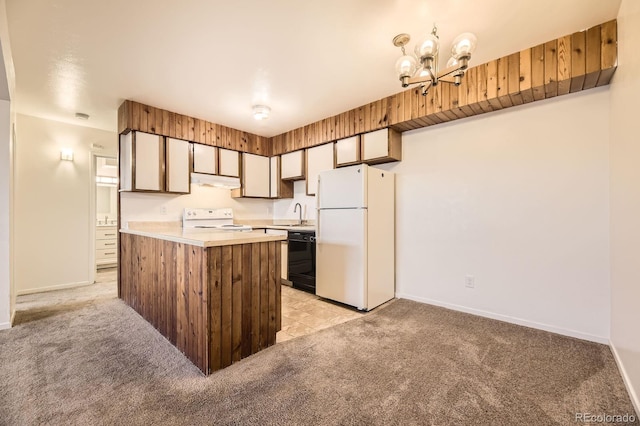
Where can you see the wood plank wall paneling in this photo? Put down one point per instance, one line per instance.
(575, 62)
(145, 118)
(217, 305)
(571, 63)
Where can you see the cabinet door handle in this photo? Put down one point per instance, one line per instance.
(109, 235)
(109, 253)
(109, 244)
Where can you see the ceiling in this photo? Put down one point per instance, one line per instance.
(213, 60)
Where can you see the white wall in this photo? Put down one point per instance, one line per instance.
(6, 307)
(52, 210)
(283, 209)
(519, 200)
(7, 120)
(625, 200)
(143, 207)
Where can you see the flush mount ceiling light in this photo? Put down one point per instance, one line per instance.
(423, 67)
(82, 116)
(261, 112)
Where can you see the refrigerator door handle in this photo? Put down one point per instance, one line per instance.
(318, 192)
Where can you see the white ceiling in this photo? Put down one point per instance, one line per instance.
(213, 60)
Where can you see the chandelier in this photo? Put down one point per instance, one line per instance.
(426, 72)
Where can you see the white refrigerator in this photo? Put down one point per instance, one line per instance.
(355, 236)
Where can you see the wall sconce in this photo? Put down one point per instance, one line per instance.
(66, 154)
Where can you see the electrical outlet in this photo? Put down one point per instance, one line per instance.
(469, 281)
(163, 210)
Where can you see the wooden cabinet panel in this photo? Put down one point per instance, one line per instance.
(255, 176)
(205, 159)
(229, 164)
(319, 159)
(177, 168)
(348, 151)
(292, 165)
(147, 162)
(381, 146)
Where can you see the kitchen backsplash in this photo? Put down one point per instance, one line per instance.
(145, 207)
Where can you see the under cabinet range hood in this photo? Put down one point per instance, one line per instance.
(215, 181)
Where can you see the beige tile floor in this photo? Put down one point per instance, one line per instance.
(304, 313)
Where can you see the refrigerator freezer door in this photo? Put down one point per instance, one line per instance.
(343, 188)
(341, 271)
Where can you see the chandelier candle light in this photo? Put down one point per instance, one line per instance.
(427, 74)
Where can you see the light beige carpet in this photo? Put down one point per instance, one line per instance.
(96, 362)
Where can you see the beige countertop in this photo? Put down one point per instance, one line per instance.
(287, 227)
(205, 237)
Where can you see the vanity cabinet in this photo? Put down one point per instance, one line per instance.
(177, 166)
(229, 163)
(205, 159)
(106, 246)
(318, 159)
(348, 151)
(381, 146)
(292, 165)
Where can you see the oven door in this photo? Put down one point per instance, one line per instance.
(302, 260)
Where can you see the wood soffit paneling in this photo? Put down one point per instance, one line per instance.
(575, 62)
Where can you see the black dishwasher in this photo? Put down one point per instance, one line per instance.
(302, 260)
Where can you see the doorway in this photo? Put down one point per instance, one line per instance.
(106, 212)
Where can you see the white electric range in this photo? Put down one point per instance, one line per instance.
(210, 219)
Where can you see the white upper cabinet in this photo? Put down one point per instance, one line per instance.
(255, 176)
(319, 159)
(125, 160)
(205, 159)
(348, 151)
(381, 146)
(177, 168)
(292, 165)
(229, 163)
(274, 177)
(148, 159)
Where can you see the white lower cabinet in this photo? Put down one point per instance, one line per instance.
(284, 257)
(106, 246)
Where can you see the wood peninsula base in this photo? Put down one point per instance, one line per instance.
(217, 304)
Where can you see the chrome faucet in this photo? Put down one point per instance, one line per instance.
(295, 209)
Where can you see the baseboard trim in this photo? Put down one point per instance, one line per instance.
(52, 288)
(5, 325)
(509, 319)
(625, 378)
